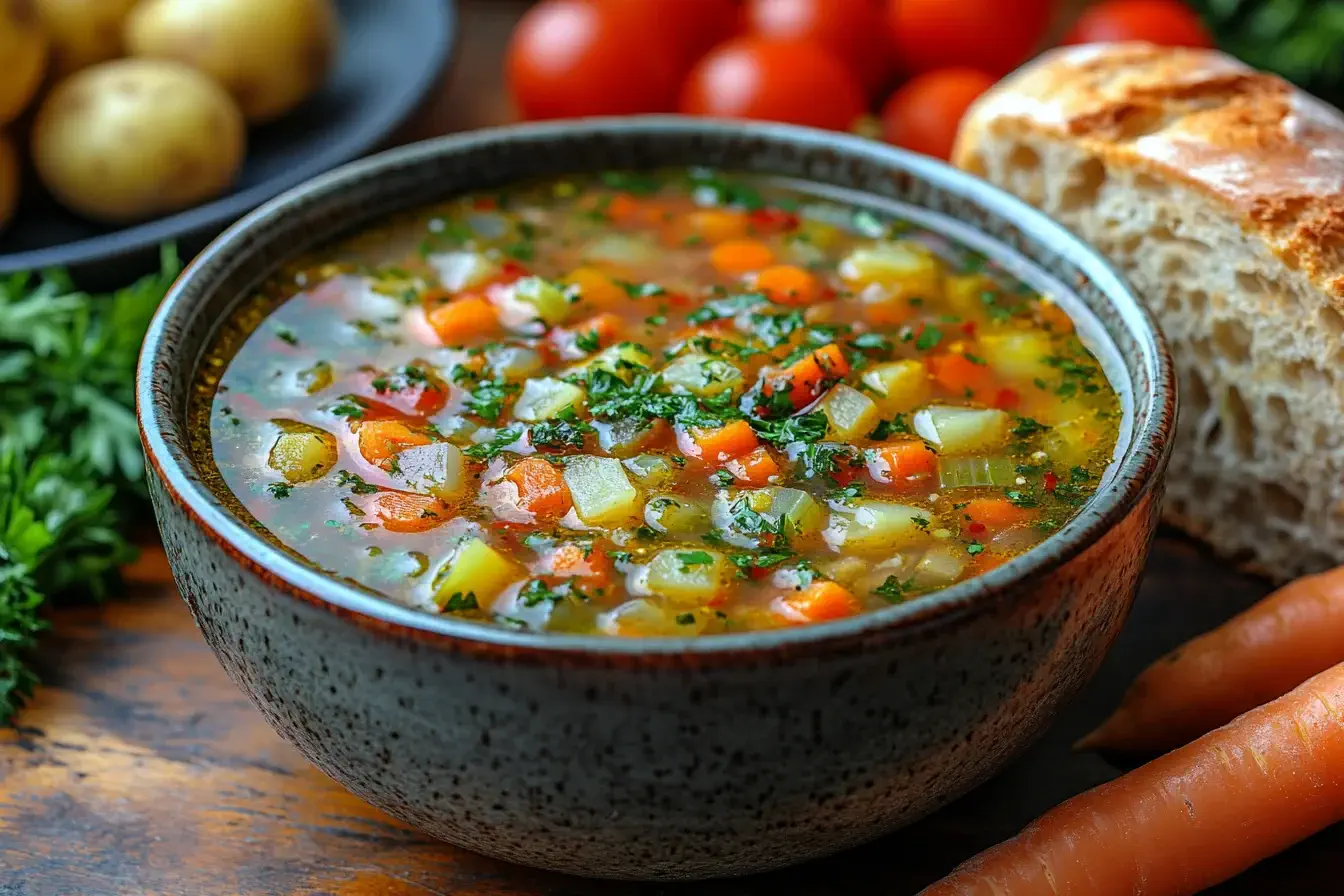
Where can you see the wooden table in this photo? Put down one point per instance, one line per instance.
(140, 769)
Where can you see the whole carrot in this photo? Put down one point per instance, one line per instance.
(1266, 651)
(1189, 819)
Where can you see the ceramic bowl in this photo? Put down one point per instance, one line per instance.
(659, 758)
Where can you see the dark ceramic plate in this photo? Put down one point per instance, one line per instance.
(392, 54)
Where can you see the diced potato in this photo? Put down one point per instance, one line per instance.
(549, 300)
(876, 527)
(625, 437)
(676, 516)
(645, 618)
(795, 510)
(852, 414)
(476, 569)
(900, 386)
(848, 571)
(966, 294)
(907, 269)
(703, 376)
(1019, 355)
(514, 362)
(1072, 443)
(956, 430)
(650, 470)
(436, 469)
(543, 398)
(302, 453)
(689, 576)
(602, 493)
(316, 378)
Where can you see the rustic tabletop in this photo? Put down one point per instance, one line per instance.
(140, 769)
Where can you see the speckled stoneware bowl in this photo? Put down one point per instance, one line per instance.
(663, 758)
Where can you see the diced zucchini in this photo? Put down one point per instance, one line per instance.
(976, 472)
(302, 453)
(650, 470)
(703, 376)
(602, 493)
(900, 386)
(476, 569)
(1073, 443)
(624, 437)
(956, 430)
(436, 469)
(676, 516)
(876, 527)
(514, 362)
(907, 269)
(549, 300)
(689, 576)
(852, 414)
(1018, 355)
(543, 398)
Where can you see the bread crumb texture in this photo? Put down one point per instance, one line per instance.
(1220, 192)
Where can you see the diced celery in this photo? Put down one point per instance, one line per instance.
(676, 516)
(624, 437)
(543, 398)
(852, 414)
(475, 569)
(650, 470)
(703, 376)
(900, 386)
(875, 527)
(602, 493)
(689, 576)
(955, 430)
(302, 453)
(550, 302)
(904, 267)
(1018, 355)
(976, 472)
(436, 469)
(514, 362)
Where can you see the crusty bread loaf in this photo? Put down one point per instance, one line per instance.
(1219, 191)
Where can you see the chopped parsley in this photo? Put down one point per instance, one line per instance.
(356, 482)
(459, 602)
(279, 490)
(691, 559)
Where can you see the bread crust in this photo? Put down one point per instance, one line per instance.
(1270, 154)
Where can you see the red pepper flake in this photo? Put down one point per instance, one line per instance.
(772, 220)
(968, 328)
(976, 528)
(1007, 399)
(1051, 480)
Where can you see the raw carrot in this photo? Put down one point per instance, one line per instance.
(959, 375)
(406, 512)
(596, 289)
(754, 469)
(1269, 649)
(899, 462)
(737, 257)
(1188, 820)
(994, 513)
(818, 602)
(463, 320)
(379, 440)
(808, 376)
(541, 487)
(787, 284)
(720, 443)
(571, 560)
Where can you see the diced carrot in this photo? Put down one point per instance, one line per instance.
(717, 225)
(819, 602)
(808, 376)
(720, 444)
(888, 312)
(754, 469)
(596, 289)
(541, 488)
(959, 375)
(606, 325)
(995, 513)
(379, 440)
(463, 320)
(623, 208)
(899, 462)
(788, 284)
(737, 257)
(406, 512)
(571, 560)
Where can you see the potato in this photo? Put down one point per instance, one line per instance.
(9, 180)
(82, 32)
(23, 57)
(270, 54)
(134, 138)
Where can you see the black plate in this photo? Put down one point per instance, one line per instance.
(392, 54)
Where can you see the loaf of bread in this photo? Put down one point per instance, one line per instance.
(1219, 192)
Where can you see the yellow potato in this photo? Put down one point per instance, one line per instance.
(133, 138)
(82, 32)
(23, 57)
(9, 180)
(270, 54)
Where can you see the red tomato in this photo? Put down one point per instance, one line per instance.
(994, 36)
(924, 113)
(1166, 22)
(569, 58)
(774, 80)
(692, 26)
(851, 29)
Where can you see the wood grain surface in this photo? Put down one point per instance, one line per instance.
(140, 769)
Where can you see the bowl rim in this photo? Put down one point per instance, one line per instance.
(1137, 473)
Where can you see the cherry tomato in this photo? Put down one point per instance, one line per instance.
(851, 29)
(692, 26)
(774, 80)
(924, 113)
(994, 36)
(1166, 22)
(570, 58)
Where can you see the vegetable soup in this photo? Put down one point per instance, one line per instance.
(677, 403)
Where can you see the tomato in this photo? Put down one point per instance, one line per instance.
(924, 113)
(852, 29)
(570, 58)
(1166, 22)
(693, 27)
(774, 80)
(994, 36)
